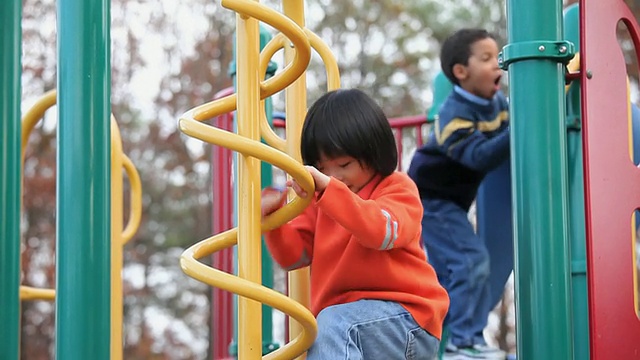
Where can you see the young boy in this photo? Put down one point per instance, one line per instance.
(470, 137)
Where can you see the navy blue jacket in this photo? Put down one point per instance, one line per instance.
(469, 139)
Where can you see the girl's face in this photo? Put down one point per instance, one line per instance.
(346, 169)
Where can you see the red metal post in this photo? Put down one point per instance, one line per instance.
(222, 301)
(399, 124)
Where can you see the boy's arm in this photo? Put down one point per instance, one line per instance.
(478, 152)
(291, 245)
(390, 220)
(464, 143)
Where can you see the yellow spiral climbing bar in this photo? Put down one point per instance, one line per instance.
(119, 237)
(252, 123)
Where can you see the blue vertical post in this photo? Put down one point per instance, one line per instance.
(10, 50)
(495, 227)
(83, 181)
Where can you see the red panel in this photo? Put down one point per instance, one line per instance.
(612, 183)
(222, 301)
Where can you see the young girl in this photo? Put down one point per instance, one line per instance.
(372, 290)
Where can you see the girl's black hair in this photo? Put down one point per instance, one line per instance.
(456, 49)
(349, 123)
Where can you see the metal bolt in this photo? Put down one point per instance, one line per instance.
(541, 48)
(291, 45)
(589, 74)
(562, 49)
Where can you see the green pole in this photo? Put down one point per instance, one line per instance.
(268, 344)
(540, 180)
(576, 201)
(10, 50)
(83, 181)
(266, 173)
(580, 306)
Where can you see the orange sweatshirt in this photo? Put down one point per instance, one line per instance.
(364, 246)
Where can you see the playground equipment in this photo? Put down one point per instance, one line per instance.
(520, 54)
(249, 205)
(544, 181)
(120, 236)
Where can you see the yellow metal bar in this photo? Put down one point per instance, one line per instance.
(205, 248)
(330, 63)
(250, 8)
(268, 134)
(35, 113)
(116, 241)
(238, 143)
(333, 77)
(296, 109)
(31, 293)
(29, 121)
(135, 214)
(119, 237)
(248, 190)
(246, 142)
(636, 293)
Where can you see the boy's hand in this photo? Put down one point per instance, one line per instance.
(272, 200)
(321, 181)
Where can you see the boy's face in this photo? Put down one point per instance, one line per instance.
(481, 76)
(346, 169)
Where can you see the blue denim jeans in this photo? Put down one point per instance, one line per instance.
(461, 261)
(371, 330)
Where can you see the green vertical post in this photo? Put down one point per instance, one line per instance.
(577, 233)
(540, 180)
(266, 173)
(580, 306)
(83, 181)
(268, 343)
(10, 50)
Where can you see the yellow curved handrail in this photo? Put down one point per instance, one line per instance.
(330, 63)
(293, 37)
(245, 288)
(266, 131)
(220, 279)
(135, 205)
(191, 124)
(35, 113)
(333, 77)
(27, 293)
(29, 121)
(116, 257)
(276, 83)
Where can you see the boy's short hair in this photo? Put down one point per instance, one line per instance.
(456, 49)
(349, 123)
